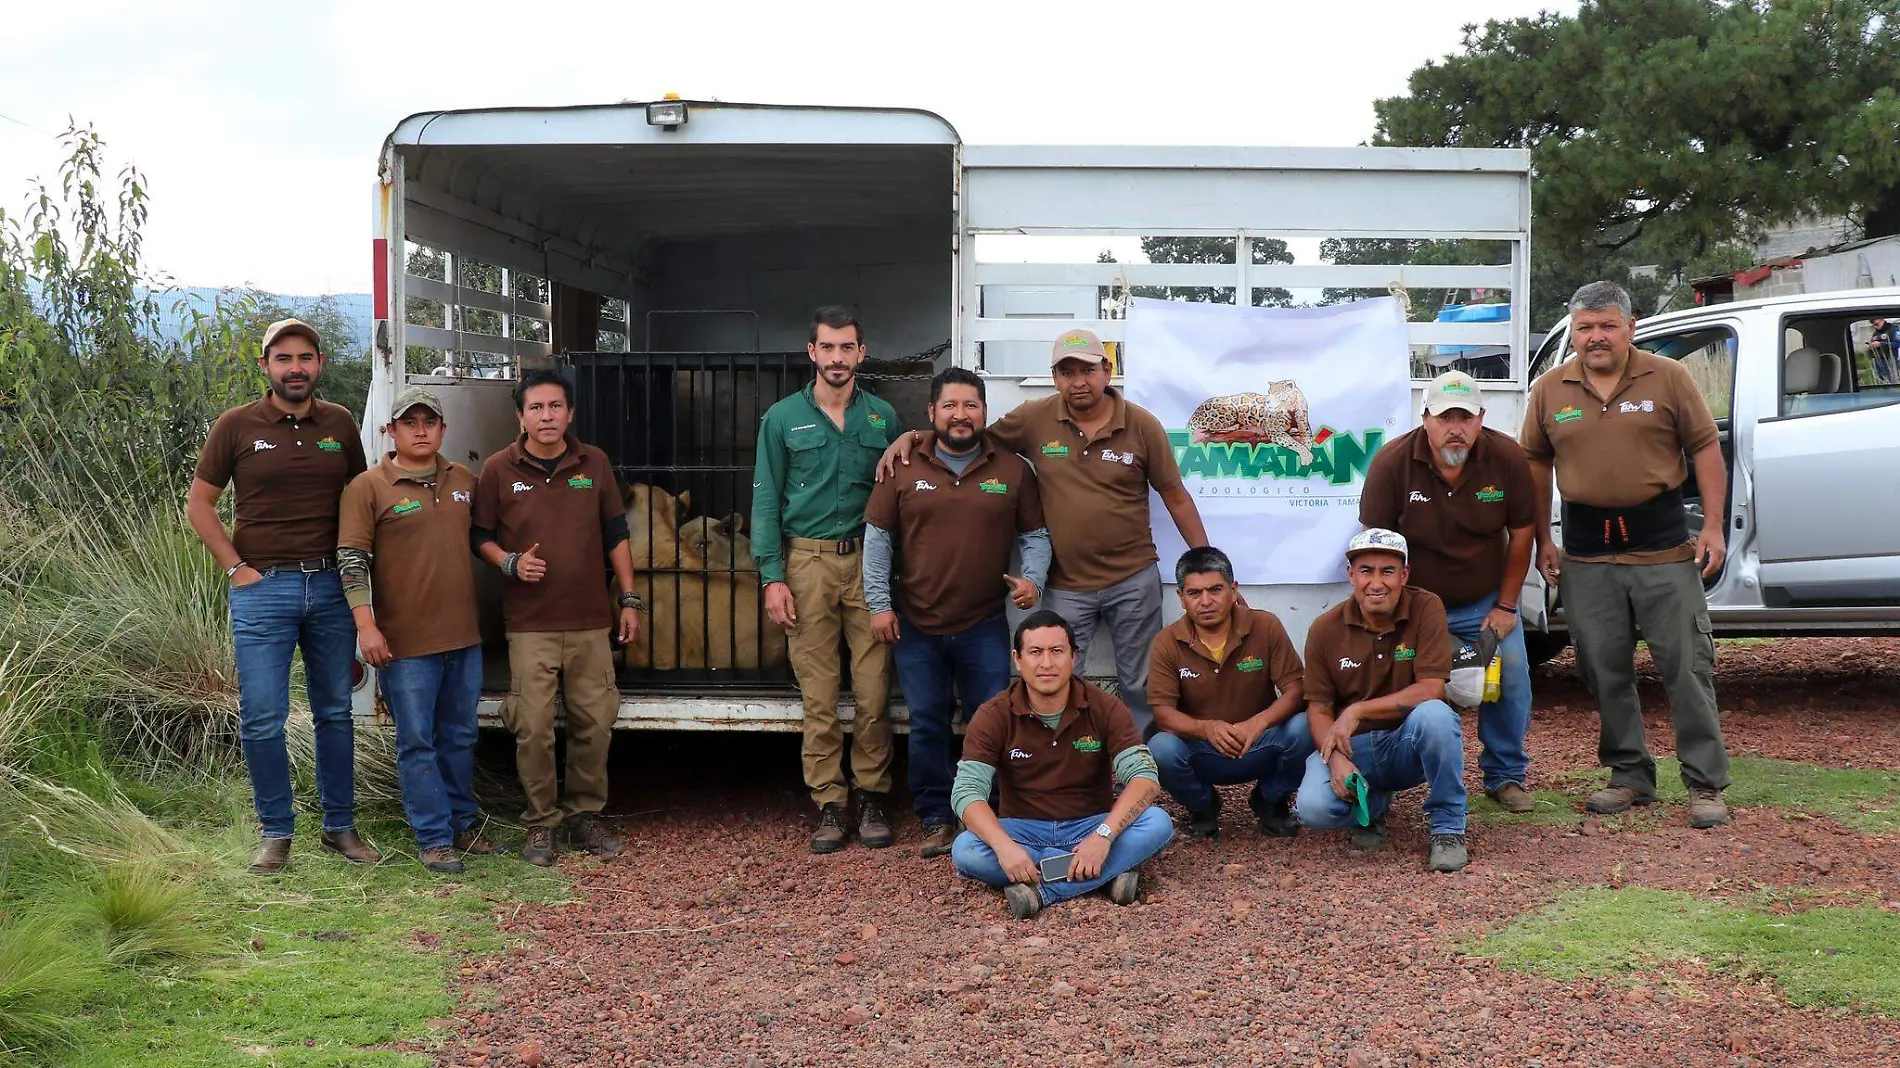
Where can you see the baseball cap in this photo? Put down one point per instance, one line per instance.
(1376, 540)
(290, 326)
(1078, 345)
(1453, 389)
(411, 397)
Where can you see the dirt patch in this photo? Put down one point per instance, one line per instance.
(719, 940)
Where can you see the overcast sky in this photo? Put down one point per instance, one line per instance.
(258, 124)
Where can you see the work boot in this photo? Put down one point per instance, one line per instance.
(1448, 853)
(1706, 807)
(1206, 823)
(874, 824)
(351, 846)
(1371, 836)
(1512, 797)
(938, 838)
(1024, 900)
(443, 860)
(538, 850)
(1276, 816)
(473, 844)
(271, 856)
(1125, 888)
(588, 834)
(1613, 799)
(830, 836)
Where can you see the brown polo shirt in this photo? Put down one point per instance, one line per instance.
(1624, 449)
(1256, 667)
(954, 534)
(1094, 489)
(288, 475)
(1347, 661)
(422, 575)
(562, 511)
(1064, 774)
(1457, 534)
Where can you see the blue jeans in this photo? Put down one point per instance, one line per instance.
(1045, 838)
(284, 611)
(973, 666)
(1191, 768)
(1503, 723)
(1131, 609)
(432, 699)
(1427, 748)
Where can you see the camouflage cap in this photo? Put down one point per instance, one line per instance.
(412, 397)
(1376, 540)
(1078, 345)
(1453, 389)
(289, 326)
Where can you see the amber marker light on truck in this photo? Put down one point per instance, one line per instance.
(669, 112)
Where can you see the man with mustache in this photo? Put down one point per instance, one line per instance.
(288, 456)
(816, 454)
(1615, 422)
(1461, 494)
(951, 526)
(1096, 455)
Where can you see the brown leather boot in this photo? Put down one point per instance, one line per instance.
(538, 850)
(1706, 807)
(271, 856)
(830, 835)
(1512, 797)
(443, 860)
(874, 822)
(351, 846)
(1613, 799)
(938, 838)
(475, 845)
(588, 833)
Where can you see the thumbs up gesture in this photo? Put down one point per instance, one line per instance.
(531, 568)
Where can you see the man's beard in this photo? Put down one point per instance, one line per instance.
(294, 391)
(1455, 455)
(953, 443)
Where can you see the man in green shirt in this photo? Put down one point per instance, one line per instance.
(817, 451)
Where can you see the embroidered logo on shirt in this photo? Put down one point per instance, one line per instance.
(580, 482)
(1633, 406)
(806, 426)
(522, 487)
(1348, 662)
(462, 496)
(1112, 456)
(1055, 449)
(1490, 494)
(924, 484)
(329, 445)
(991, 485)
(1567, 414)
(1404, 652)
(260, 445)
(405, 506)
(1419, 497)
(875, 420)
(1252, 663)
(1189, 673)
(1018, 754)
(1088, 743)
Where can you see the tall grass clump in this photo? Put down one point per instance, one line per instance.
(43, 977)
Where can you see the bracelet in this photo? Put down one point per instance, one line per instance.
(233, 569)
(1504, 608)
(630, 599)
(508, 564)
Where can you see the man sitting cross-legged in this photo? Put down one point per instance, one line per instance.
(1055, 747)
(1376, 666)
(1225, 685)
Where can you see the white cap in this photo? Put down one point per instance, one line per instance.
(1453, 389)
(1376, 540)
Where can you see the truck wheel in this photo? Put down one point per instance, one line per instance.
(1541, 647)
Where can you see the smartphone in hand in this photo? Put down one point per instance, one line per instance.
(1056, 869)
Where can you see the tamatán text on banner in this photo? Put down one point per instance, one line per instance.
(1274, 414)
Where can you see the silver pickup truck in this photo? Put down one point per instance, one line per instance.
(1806, 393)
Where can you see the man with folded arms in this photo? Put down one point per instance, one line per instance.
(1054, 747)
(1376, 666)
(1226, 689)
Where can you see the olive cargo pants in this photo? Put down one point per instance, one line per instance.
(579, 664)
(1604, 606)
(828, 596)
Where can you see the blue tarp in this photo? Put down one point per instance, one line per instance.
(1469, 313)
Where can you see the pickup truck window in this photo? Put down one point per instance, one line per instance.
(1844, 361)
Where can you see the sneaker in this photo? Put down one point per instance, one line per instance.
(350, 846)
(1125, 888)
(587, 833)
(539, 848)
(472, 844)
(1370, 837)
(1024, 900)
(271, 856)
(938, 838)
(443, 860)
(1512, 797)
(1706, 807)
(830, 836)
(1613, 799)
(874, 825)
(1448, 853)
(1276, 816)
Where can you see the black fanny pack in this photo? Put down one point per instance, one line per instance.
(1657, 523)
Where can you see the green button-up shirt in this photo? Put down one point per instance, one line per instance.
(813, 480)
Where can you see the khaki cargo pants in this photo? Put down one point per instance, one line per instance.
(579, 665)
(828, 596)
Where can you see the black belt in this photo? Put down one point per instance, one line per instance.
(841, 546)
(1657, 523)
(307, 567)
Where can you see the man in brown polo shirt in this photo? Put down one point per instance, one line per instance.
(951, 526)
(1461, 494)
(1376, 665)
(402, 549)
(288, 455)
(1096, 455)
(1054, 747)
(1226, 689)
(548, 513)
(1615, 423)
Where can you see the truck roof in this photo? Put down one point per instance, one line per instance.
(1796, 301)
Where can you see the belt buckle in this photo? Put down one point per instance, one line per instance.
(304, 566)
(846, 546)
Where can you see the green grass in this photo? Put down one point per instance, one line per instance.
(1826, 957)
(1553, 810)
(1865, 800)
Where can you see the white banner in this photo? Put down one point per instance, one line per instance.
(1274, 414)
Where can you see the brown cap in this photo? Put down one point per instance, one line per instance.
(1078, 345)
(290, 326)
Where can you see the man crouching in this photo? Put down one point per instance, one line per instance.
(1054, 747)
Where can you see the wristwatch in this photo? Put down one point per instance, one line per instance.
(1105, 831)
(632, 600)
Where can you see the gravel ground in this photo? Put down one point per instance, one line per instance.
(719, 940)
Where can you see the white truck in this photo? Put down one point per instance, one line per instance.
(669, 254)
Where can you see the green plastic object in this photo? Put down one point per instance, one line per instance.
(1361, 807)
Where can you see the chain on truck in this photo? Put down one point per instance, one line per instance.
(666, 256)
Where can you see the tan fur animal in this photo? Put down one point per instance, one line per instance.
(1279, 417)
(695, 619)
(720, 542)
